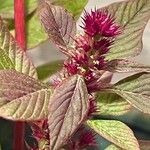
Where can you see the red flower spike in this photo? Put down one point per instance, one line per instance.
(40, 130)
(100, 23)
(80, 57)
(103, 45)
(71, 67)
(83, 42)
(89, 75)
(87, 138)
(100, 63)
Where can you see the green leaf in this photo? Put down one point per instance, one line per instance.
(7, 8)
(47, 70)
(22, 97)
(115, 132)
(124, 65)
(111, 104)
(136, 90)
(132, 16)
(31, 5)
(58, 23)
(16, 58)
(112, 147)
(5, 61)
(68, 108)
(35, 33)
(75, 7)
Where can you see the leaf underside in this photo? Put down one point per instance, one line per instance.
(58, 23)
(144, 144)
(22, 97)
(67, 110)
(124, 65)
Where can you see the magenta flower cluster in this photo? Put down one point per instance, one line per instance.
(88, 56)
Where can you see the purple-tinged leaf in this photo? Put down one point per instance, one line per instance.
(101, 81)
(144, 144)
(68, 108)
(124, 65)
(15, 56)
(115, 132)
(136, 90)
(58, 77)
(58, 23)
(22, 97)
(132, 16)
(31, 107)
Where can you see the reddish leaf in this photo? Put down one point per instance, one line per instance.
(102, 80)
(58, 23)
(14, 85)
(67, 110)
(22, 97)
(144, 144)
(124, 65)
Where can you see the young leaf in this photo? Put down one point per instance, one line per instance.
(132, 16)
(12, 53)
(58, 23)
(115, 132)
(136, 90)
(124, 65)
(68, 108)
(7, 8)
(22, 97)
(111, 104)
(75, 7)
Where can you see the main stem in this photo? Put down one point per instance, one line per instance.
(19, 14)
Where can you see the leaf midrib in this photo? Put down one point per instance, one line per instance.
(140, 9)
(65, 114)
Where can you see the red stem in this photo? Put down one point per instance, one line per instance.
(20, 22)
(19, 14)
